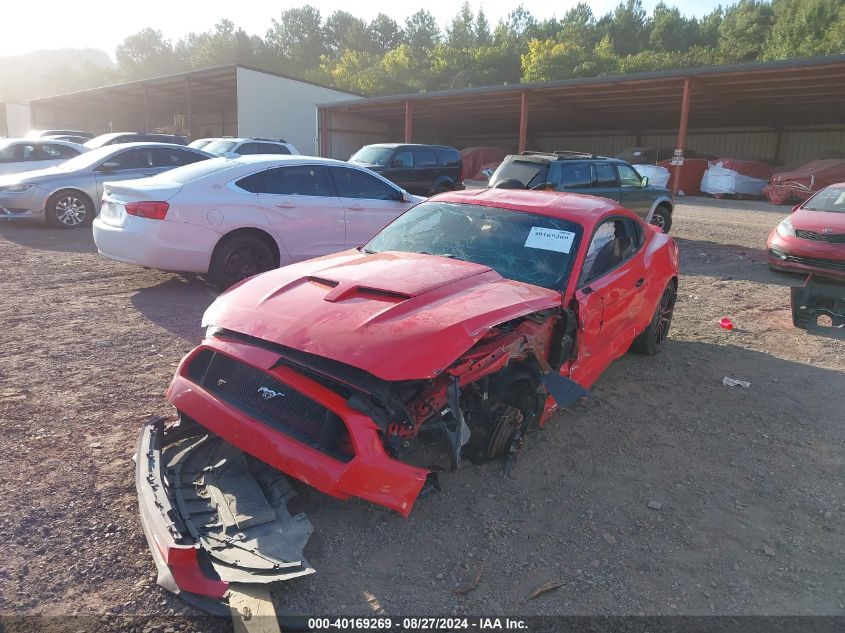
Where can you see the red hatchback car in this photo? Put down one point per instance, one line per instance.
(812, 239)
(463, 324)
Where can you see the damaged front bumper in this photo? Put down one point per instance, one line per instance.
(214, 516)
(818, 297)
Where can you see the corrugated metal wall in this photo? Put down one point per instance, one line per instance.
(348, 134)
(796, 144)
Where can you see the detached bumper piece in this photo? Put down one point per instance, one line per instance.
(816, 298)
(213, 515)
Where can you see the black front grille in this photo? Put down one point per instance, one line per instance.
(820, 237)
(274, 403)
(831, 264)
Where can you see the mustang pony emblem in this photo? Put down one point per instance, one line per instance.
(268, 394)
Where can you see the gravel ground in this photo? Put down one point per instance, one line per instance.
(665, 492)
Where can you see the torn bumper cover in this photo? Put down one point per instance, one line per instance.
(818, 297)
(212, 515)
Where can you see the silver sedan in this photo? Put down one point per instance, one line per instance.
(69, 195)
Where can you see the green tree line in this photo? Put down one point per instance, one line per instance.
(385, 57)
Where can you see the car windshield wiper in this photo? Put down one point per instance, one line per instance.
(361, 249)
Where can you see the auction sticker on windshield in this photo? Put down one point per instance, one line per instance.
(550, 239)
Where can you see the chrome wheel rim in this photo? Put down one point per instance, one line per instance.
(70, 211)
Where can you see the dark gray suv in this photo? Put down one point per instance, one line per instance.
(423, 170)
(589, 174)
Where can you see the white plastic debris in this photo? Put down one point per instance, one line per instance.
(733, 382)
(657, 175)
(721, 180)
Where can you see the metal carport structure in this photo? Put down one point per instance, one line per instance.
(755, 109)
(227, 100)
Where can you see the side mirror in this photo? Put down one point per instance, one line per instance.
(796, 207)
(109, 166)
(406, 197)
(644, 182)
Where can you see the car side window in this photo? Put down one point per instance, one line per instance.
(24, 152)
(247, 148)
(272, 148)
(52, 151)
(297, 180)
(355, 183)
(252, 183)
(569, 175)
(614, 242)
(604, 176)
(628, 176)
(132, 159)
(448, 157)
(402, 160)
(173, 158)
(425, 157)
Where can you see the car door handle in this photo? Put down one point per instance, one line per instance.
(356, 207)
(285, 205)
(150, 173)
(640, 282)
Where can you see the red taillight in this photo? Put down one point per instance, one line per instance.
(151, 210)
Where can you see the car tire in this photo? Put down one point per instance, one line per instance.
(441, 188)
(239, 257)
(662, 217)
(653, 339)
(69, 209)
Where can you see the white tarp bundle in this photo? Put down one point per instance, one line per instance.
(720, 180)
(657, 175)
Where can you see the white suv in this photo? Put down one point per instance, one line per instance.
(234, 147)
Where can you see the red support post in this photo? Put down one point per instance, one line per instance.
(409, 121)
(523, 121)
(682, 133)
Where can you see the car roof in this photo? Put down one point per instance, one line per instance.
(395, 145)
(545, 157)
(154, 145)
(582, 209)
(260, 159)
(242, 139)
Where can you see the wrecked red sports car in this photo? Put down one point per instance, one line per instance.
(466, 321)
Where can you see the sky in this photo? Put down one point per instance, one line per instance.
(51, 24)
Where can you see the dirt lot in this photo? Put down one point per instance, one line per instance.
(748, 482)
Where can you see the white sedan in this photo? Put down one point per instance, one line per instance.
(233, 218)
(18, 155)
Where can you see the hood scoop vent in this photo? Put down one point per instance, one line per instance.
(352, 292)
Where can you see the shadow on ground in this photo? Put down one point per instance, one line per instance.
(176, 305)
(33, 234)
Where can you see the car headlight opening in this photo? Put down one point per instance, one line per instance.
(785, 228)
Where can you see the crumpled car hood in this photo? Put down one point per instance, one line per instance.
(398, 316)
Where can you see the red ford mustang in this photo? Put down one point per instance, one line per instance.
(463, 323)
(812, 239)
